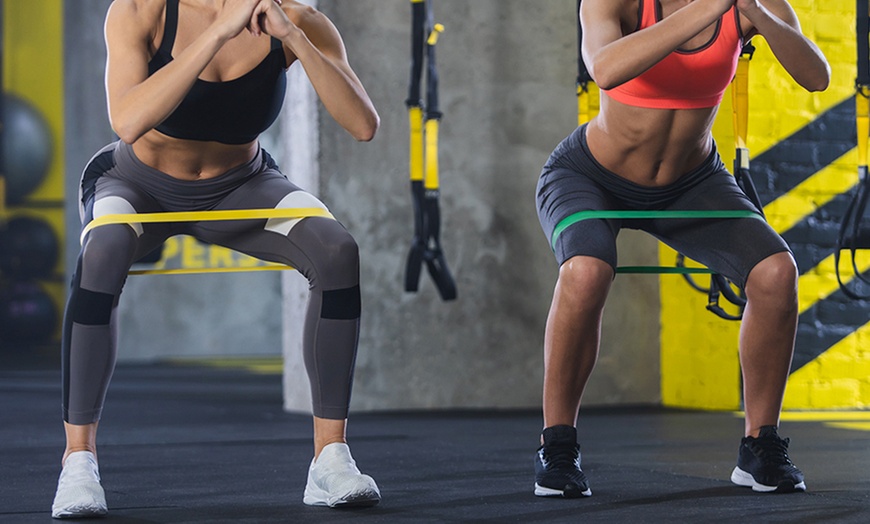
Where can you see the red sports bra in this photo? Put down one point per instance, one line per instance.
(685, 79)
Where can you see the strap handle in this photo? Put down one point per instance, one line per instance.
(850, 233)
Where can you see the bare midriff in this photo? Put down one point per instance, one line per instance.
(191, 159)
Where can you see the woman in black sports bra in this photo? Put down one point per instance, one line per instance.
(190, 85)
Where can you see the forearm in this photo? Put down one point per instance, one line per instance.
(626, 58)
(800, 57)
(339, 90)
(145, 105)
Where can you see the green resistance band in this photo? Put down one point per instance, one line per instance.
(570, 220)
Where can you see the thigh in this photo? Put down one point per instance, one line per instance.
(562, 192)
(108, 194)
(731, 247)
(264, 239)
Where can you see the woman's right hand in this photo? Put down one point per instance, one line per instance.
(238, 15)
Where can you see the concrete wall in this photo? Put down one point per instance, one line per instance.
(507, 90)
(507, 71)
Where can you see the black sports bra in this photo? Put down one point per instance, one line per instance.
(231, 112)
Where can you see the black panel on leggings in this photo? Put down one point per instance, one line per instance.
(341, 304)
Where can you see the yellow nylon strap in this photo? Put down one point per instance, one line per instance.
(862, 111)
(582, 104)
(416, 167)
(431, 181)
(2, 198)
(433, 36)
(740, 103)
(205, 216)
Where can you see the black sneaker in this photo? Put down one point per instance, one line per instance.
(557, 465)
(763, 464)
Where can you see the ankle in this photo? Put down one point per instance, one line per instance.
(319, 445)
(74, 449)
(560, 434)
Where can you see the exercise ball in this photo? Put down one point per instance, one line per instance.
(27, 147)
(29, 248)
(27, 314)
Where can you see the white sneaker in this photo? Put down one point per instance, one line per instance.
(79, 493)
(334, 480)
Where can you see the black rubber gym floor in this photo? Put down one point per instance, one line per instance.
(185, 444)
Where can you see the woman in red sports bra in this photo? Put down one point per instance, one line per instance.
(663, 66)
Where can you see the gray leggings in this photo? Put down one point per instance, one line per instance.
(115, 181)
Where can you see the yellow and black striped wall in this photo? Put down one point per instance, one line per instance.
(804, 164)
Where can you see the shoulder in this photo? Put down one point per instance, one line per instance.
(316, 26)
(781, 9)
(137, 10)
(625, 12)
(135, 16)
(303, 14)
(314, 23)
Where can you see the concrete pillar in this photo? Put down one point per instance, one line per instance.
(300, 121)
(507, 71)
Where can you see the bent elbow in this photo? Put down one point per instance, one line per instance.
(820, 81)
(603, 77)
(125, 128)
(367, 132)
(126, 133)
(606, 84)
(818, 85)
(821, 84)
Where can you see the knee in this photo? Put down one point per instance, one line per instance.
(106, 256)
(775, 277)
(587, 278)
(336, 261)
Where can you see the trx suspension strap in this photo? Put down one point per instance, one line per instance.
(583, 77)
(719, 285)
(425, 186)
(851, 235)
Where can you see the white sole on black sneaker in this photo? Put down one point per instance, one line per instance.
(542, 491)
(745, 479)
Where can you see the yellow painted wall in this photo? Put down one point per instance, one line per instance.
(33, 71)
(699, 360)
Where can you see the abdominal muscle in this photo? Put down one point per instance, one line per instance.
(650, 147)
(191, 159)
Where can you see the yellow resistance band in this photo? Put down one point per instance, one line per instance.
(206, 216)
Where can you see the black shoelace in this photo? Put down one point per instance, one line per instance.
(559, 457)
(771, 450)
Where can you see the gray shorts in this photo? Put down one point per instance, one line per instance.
(573, 181)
